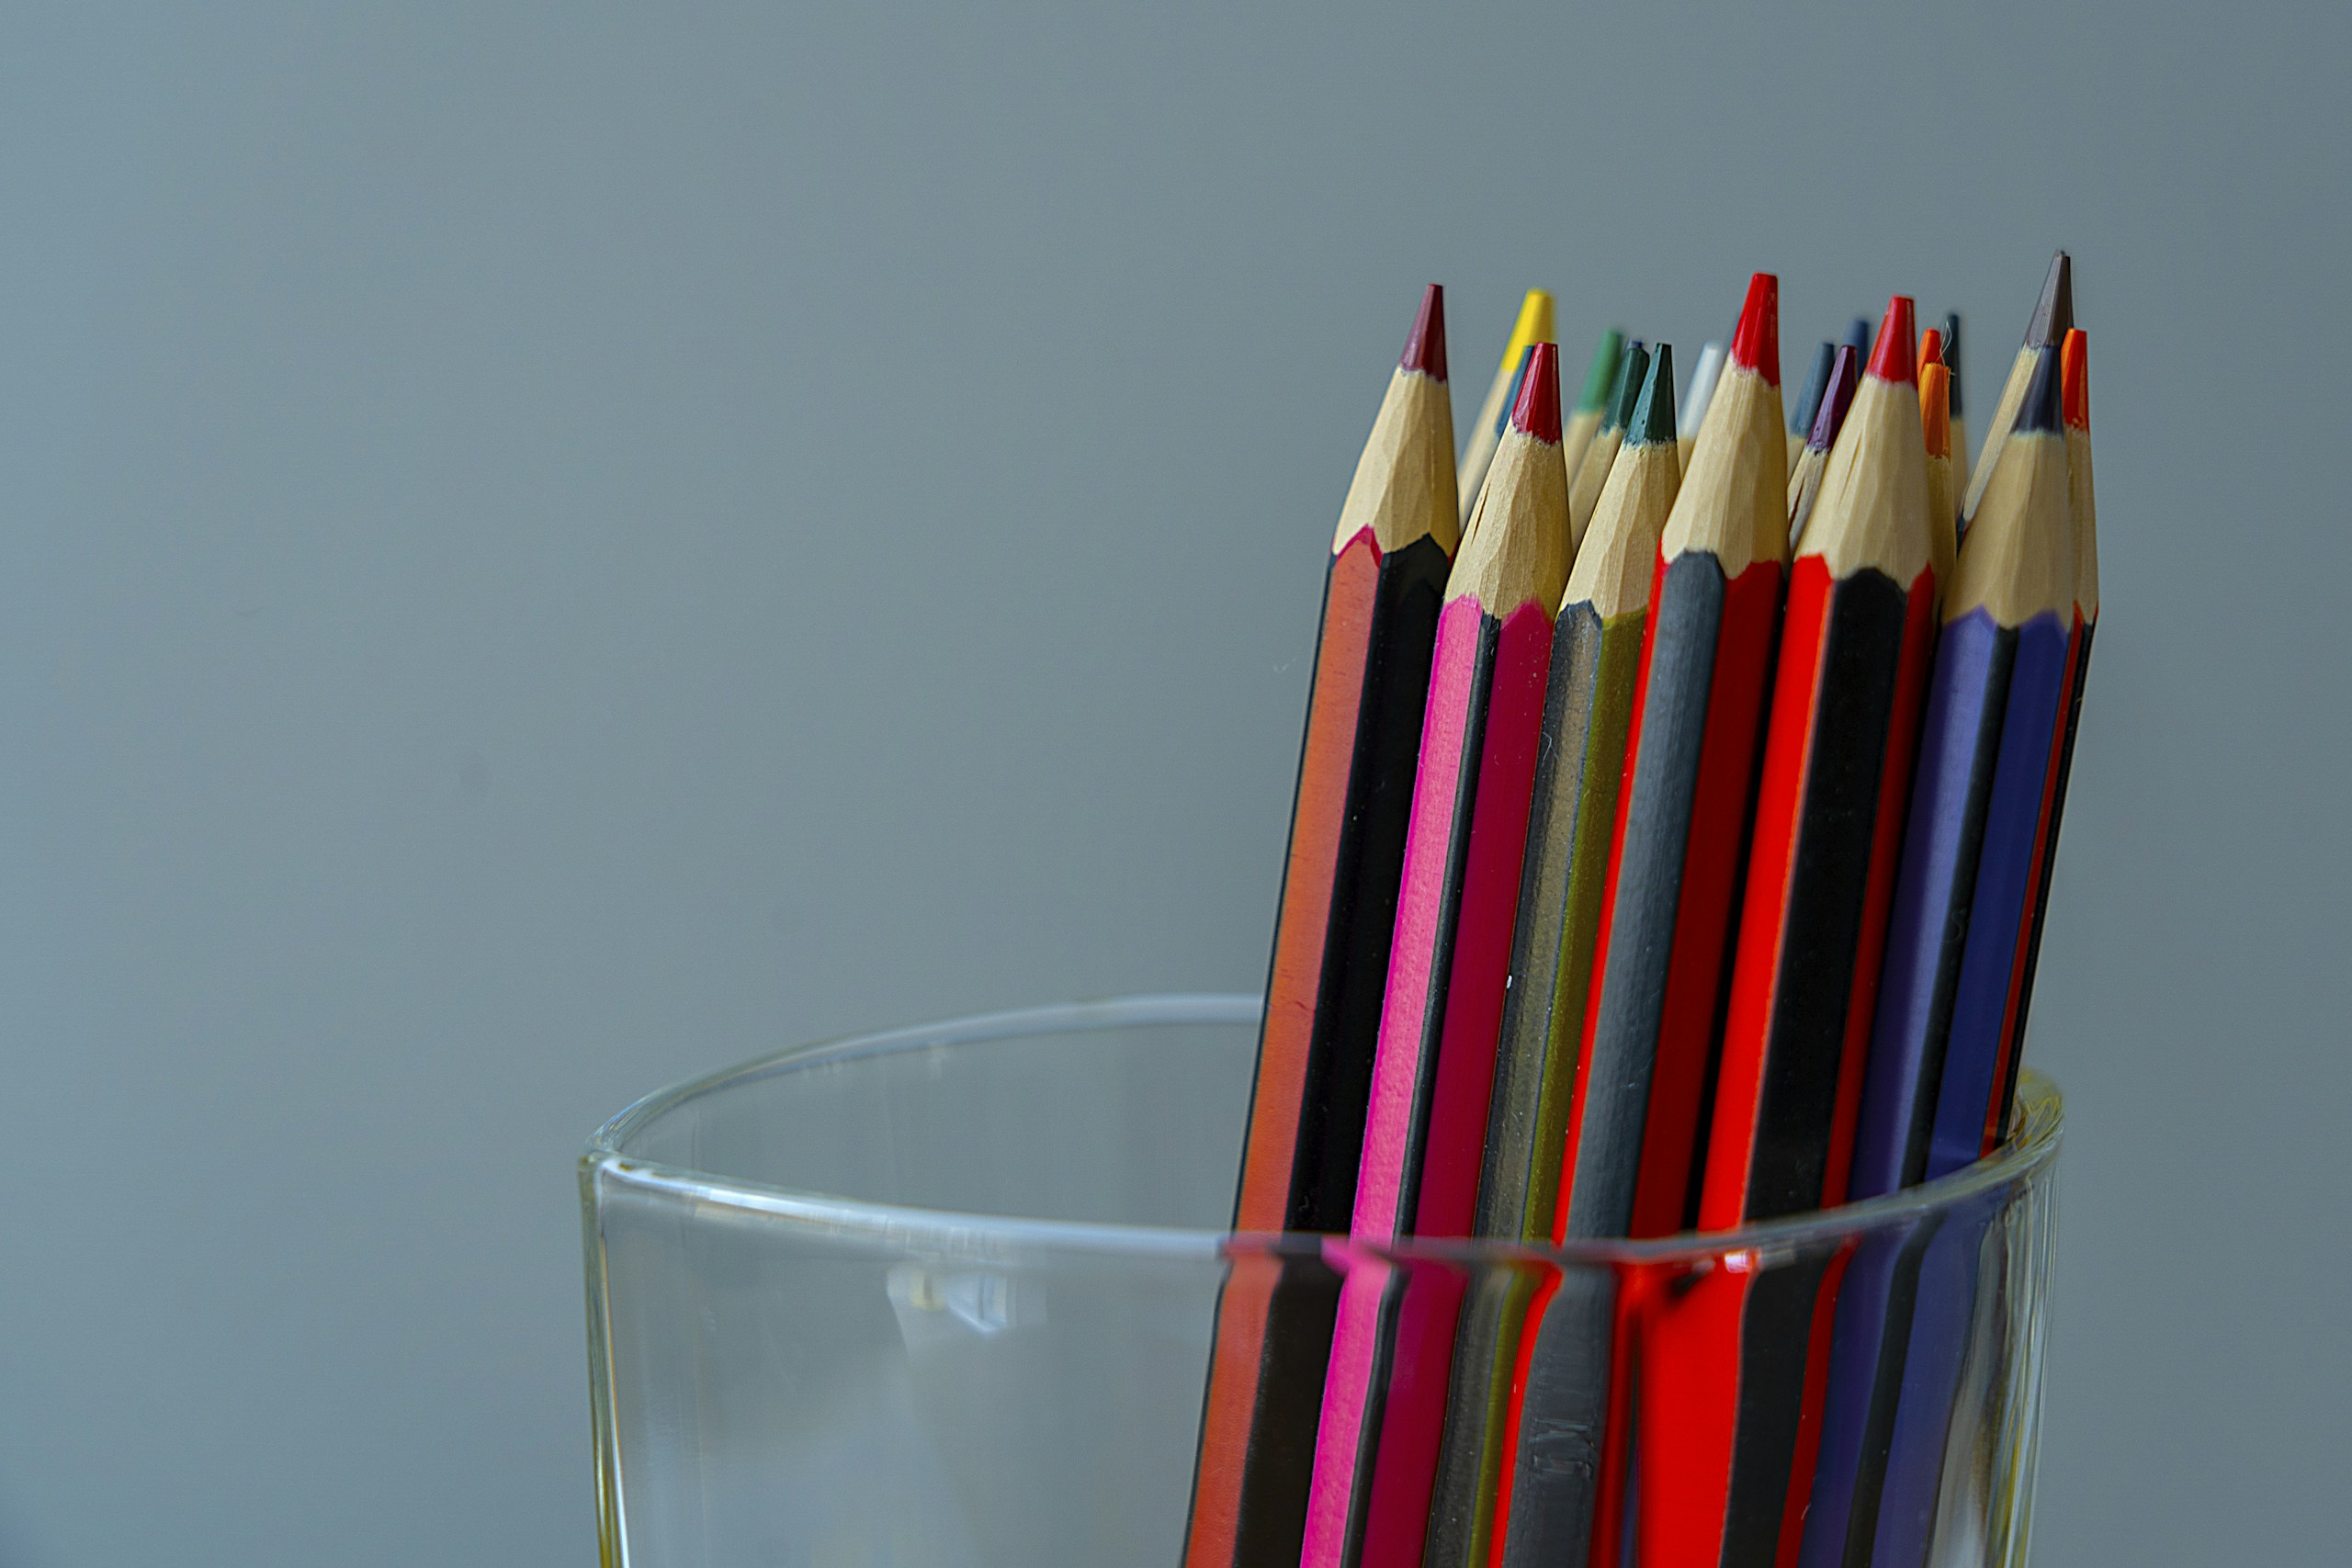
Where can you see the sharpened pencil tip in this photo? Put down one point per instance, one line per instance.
(1534, 323)
(1757, 344)
(1701, 390)
(1858, 337)
(1836, 399)
(2074, 377)
(1816, 379)
(1951, 358)
(1425, 345)
(1511, 398)
(2054, 311)
(1931, 349)
(1897, 331)
(1602, 374)
(1935, 409)
(2040, 410)
(1652, 420)
(1631, 364)
(1537, 411)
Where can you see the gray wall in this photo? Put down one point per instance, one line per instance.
(547, 551)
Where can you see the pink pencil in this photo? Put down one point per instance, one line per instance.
(1383, 1397)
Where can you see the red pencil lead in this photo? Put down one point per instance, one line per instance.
(1538, 410)
(1425, 347)
(1757, 344)
(2075, 378)
(1892, 359)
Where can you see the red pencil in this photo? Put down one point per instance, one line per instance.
(1737, 1401)
(1389, 562)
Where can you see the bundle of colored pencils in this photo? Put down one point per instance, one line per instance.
(1671, 851)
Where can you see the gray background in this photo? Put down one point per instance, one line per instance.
(550, 550)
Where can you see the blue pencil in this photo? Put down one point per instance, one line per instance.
(1962, 899)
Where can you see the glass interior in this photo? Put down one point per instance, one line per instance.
(951, 1296)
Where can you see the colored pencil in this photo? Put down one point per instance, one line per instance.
(1805, 480)
(2053, 312)
(2074, 364)
(1808, 403)
(1644, 1059)
(1595, 665)
(1943, 502)
(1739, 1405)
(1533, 326)
(1985, 756)
(1552, 1470)
(1595, 656)
(1855, 643)
(1390, 557)
(1383, 1413)
(1584, 483)
(1984, 772)
(1951, 356)
(1694, 401)
(1682, 815)
(1858, 338)
(1996, 701)
(1584, 421)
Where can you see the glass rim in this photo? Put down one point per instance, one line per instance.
(2027, 1155)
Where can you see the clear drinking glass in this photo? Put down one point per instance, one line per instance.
(948, 1296)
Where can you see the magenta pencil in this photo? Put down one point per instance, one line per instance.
(1384, 1406)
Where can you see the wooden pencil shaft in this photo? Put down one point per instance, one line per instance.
(2053, 314)
(1601, 453)
(1584, 422)
(1533, 325)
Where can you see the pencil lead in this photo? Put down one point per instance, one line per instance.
(2075, 377)
(1757, 344)
(1952, 358)
(1511, 398)
(1931, 349)
(1702, 390)
(1631, 391)
(2039, 414)
(1651, 419)
(1535, 317)
(1836, 399)
(2054, 311)
(1858, 337)
(1602, 374)
(1801, 413)
(1892, 361)
(1935, 409)
(1631, 367)
(1536, 410)
(1425, 345)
